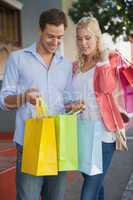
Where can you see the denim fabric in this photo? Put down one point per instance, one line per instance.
(30, 187)
(92, 188)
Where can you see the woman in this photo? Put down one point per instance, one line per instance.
(94, 82)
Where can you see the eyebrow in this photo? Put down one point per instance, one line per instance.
(84, 36)
(50, 34)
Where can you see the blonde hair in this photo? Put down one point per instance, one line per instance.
(93, 27)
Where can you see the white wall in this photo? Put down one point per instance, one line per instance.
(69, 40)
(30, 15)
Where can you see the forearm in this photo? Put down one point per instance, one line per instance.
(14, 101)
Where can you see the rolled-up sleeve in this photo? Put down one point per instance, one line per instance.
(10, 81)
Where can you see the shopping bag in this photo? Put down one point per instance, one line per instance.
(125, 72)
(90, 147)
(128, 73)
(126, 68)
(66, 136)
(127, 92)
(39, 150)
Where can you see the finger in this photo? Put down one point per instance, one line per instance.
(33, 90)
(68, 106)
(32, 101)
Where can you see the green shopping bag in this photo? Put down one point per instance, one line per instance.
(66, 136)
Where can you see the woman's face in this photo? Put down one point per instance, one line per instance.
(86, 41)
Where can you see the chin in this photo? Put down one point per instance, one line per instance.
(86, 53)
(52, 50)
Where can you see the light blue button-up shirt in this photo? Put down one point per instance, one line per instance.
(26, 69)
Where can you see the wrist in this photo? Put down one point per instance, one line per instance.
(21, 99)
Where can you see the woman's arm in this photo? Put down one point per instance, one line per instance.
(106, 77)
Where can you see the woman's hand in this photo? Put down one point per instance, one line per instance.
(75, 106)
(106, 46)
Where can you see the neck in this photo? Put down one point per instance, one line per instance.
(88, 58)
(47, 56)
(88, 63)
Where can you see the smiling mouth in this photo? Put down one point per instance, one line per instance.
(84, 49)
(53, 47)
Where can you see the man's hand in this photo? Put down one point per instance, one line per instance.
(31, 95)
(15, 101)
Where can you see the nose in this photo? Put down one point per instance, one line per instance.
(83, 42)
(55, 41)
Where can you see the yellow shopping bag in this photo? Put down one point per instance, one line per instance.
(39, 150)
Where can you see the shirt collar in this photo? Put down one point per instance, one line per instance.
(32, 49)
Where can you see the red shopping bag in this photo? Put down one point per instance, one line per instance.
(127, 92)
(126, 68)
(126, 78)
(128, 73)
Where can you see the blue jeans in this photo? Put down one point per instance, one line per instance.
(92, 188)
(30, 187)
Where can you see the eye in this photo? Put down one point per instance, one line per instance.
(50, 36)
(60, 38)
(88, 38)
(79, 39)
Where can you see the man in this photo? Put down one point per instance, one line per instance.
(30, 72)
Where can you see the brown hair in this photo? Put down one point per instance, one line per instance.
(52, 16)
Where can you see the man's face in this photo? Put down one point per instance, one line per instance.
(51, 37)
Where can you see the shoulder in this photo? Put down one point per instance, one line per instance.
(102, 65)
(16, 55)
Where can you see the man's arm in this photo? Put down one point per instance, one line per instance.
(11, 97)
(15, 101)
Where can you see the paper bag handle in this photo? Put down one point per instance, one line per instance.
(40, 108)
